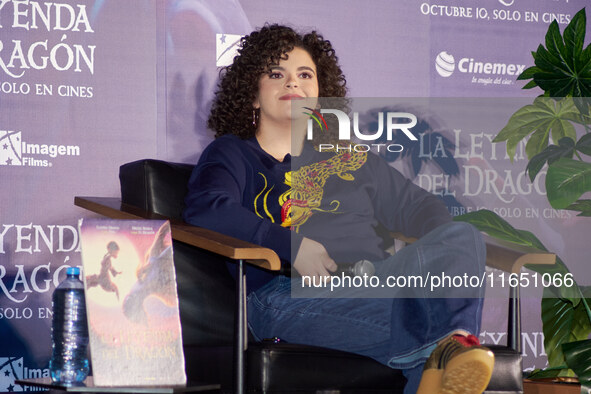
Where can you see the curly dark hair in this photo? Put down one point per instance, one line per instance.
(232, 109)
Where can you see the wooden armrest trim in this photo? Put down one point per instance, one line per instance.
(212, 241)
(504, 255)
(511, 258)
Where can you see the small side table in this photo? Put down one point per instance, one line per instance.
(89, 387)
(550, 387)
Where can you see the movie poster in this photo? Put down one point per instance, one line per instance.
(132, 303)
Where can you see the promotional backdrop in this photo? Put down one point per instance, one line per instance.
(87, 85)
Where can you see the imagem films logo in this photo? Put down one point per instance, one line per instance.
(14, 151)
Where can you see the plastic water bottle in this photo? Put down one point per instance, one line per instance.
(69, 331)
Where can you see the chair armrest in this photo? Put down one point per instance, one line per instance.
(212, 241)
(503, 255)
(510, 257)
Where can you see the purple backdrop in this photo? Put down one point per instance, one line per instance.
(86, 86)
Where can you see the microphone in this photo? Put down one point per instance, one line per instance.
(360, 268)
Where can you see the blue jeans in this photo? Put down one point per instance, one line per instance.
(398, 332)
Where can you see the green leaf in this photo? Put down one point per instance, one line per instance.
(538, 141)
(555, 77)
(568, 291)
(497, 227)
(554, 372)
(566, 316)
(585, 57)
(565, 148)
(562, 67)
(584, 144)
(562, 322)
(574, 34)
(525, 120)
(528, 73)
(566, 181)
(577, 116)
(556, 45)
(562, 127)
(530, 85)
(544, 117)
(548, 63)
(536, 163)
(582, 206)
(578, 358)
(583, 91)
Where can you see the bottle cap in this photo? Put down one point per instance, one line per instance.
(73, 271)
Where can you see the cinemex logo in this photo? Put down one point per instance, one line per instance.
(445, 65)
(16, 152)
(395, 121)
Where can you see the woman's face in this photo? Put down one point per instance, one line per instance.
(292, 79)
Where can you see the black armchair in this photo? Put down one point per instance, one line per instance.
(213, 314)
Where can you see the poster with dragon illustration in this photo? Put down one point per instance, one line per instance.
(132, 303)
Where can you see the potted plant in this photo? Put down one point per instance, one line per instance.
(563, 71)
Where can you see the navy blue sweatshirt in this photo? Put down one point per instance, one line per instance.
(337, 199)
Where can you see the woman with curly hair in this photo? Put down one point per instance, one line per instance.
(264, 181)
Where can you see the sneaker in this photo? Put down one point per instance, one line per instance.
(458, 365)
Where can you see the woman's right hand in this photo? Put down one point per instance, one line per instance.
(313, 260)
